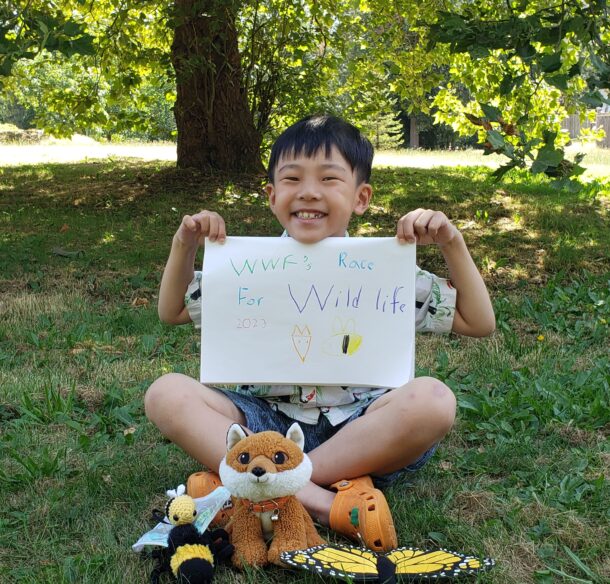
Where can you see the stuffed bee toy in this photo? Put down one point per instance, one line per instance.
(263, 472)
(191, 556)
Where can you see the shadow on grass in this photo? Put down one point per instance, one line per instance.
(126, 211)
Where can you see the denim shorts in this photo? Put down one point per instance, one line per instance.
(260, 416)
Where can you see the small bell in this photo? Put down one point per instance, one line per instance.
(275, 515)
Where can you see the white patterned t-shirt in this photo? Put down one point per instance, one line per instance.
(435, 300)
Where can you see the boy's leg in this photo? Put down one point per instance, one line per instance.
(193, 416)
(395, 431)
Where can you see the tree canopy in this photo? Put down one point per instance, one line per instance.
(508, 70)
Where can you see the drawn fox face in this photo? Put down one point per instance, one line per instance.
(265, 465)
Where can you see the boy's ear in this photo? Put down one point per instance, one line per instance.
(270, 190)
(363, 198)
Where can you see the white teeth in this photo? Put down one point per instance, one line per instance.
(308, 215)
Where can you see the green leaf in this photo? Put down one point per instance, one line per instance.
(549, 156)
(495, 139)
(548, 36)
(500, 172)
(507, 84)
(43, 27)
(551, 63)
(544, 577)
(600, 65)
(72, 28)
(493, 114)
(577, 25)
(6, 65)
(559, 81)
(478, 52)
(579, 563)
(82, 46)
(549, 137)
(574, 69)
(392, 67)
(594, 99)
(526, 51)
(538, 167)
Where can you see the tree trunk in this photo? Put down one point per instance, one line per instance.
(413, 133)
(215, 127)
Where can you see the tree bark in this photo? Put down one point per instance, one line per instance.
(413, 132)
(215, 126)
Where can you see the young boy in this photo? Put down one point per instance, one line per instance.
(318, 177)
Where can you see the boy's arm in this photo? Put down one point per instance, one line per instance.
(179, 270)
(474, 315)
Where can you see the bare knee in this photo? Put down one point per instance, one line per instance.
(164, 396)
(433, 402)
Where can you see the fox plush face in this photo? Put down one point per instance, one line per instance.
(266, 465)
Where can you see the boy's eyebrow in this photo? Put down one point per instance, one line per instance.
(327, 165)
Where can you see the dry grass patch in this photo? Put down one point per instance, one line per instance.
(476, 507)
(515, 562)
(578, 436)
(23, 307)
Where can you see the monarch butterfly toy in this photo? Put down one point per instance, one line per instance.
(359, 564)
(190, 555)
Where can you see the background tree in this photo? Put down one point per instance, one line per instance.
(526, 66)
(384, 130)
(215, 125)
(245, 68)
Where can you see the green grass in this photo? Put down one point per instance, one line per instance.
(523, 477)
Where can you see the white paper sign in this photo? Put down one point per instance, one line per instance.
(338, 312)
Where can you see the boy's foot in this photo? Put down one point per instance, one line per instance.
(202, 483)
(361, 512)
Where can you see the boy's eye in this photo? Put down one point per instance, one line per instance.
(291, 178)
(327, 178)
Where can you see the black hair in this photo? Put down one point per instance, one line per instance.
(310, 134)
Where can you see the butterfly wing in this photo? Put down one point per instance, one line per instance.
(435, 563)
(357, 564)
(338, 561)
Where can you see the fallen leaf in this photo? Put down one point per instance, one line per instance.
(67, 254)
(64, 228)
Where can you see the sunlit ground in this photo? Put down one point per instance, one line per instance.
(596, 161)
(80, 148)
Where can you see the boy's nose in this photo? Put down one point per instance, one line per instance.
(309, 191)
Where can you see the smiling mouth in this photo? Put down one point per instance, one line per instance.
(309, 214)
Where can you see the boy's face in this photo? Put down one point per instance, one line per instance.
(314, 198)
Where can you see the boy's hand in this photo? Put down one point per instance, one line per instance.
(195, 228)
(425, 227)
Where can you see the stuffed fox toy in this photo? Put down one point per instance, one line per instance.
(263, 472)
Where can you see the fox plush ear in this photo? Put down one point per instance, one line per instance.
(234, 435)
(295, 433)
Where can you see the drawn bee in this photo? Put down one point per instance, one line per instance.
(191, 555)
(344, 340)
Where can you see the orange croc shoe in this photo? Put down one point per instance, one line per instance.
(361, 512)
(202, 483)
